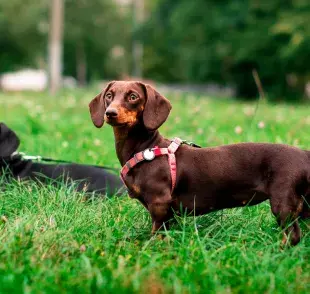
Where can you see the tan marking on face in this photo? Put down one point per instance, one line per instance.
(244, 202)
(130, 117)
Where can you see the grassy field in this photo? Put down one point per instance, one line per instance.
(53, 241)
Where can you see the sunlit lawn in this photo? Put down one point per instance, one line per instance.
(53, 241)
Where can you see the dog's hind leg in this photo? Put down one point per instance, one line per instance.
(305, 213)
(286, 205)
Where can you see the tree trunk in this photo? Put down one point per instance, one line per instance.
(81, 67)
(55, 44)
(137, 46)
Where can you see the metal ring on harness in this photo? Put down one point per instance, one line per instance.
(148, 154)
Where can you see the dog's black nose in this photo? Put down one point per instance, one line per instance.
(111, 113)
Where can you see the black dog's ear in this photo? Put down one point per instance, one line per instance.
(97, 107)
(9, 141)
(157, 108)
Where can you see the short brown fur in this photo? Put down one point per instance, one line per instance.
(208, 179)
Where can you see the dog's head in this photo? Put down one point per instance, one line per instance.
(127, 103)
(9, 141)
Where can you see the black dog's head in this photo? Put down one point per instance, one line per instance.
(9, 141)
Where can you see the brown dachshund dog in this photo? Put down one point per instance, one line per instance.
(206, 179)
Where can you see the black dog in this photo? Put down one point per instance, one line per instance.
(89, 179)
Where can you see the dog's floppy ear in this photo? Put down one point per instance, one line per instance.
(9, 141)
(157, 109)
(97, 107)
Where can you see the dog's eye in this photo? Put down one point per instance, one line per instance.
(108, 96)
(133, 97)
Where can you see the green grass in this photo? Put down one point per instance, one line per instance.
(53, 241)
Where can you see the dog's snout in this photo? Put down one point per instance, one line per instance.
(111, 112)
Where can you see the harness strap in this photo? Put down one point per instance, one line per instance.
(150, 154)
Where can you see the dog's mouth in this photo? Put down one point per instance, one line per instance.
(114, 123)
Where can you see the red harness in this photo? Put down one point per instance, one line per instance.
(150, 154)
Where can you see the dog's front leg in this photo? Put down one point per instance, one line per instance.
(161, 213)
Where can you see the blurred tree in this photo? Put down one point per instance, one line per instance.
(137, 46)
(223, 41)
(96, 37)
(160, 45)
(23, 31)
(293, 25)
(56, 24)
(93, 29)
